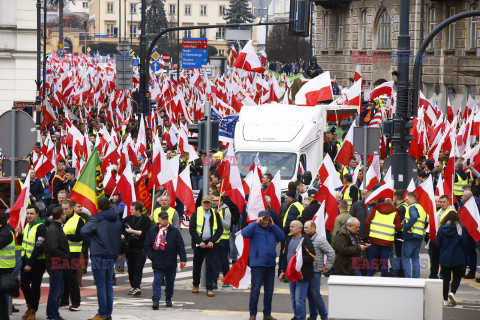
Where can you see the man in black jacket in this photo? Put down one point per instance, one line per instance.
(57, 261)
(135, 228)
(298, 284)
(205, 229)
(162, 244)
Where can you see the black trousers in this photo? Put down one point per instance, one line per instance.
(209, 255)
(71, 288)
(458, 272)
(31, 281)
(434, 254)
(136, 261)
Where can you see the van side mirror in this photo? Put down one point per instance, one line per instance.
(306, 178)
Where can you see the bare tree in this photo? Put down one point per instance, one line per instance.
(284, 48)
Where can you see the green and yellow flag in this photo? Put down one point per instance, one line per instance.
(89, 186)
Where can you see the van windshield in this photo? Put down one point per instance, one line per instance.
(270, 162)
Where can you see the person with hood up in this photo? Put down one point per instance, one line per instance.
(313, 69)
(102, 232)
(451, 241)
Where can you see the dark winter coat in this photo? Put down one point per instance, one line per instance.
(345, 249)
(451, 241)
(165, 259)
(308, 255)
(56, 246)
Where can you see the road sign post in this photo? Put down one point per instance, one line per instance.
(366, 142)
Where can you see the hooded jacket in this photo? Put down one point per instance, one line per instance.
(383, 208)
(102, 233)
(451, 241)
(262, 244)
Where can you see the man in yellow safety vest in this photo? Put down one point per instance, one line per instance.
(413, 230)
(205, 229)
(224, 243)
(381, 224)
(72, 229)
(7, 258)
(173, 218)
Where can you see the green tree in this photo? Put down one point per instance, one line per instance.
(238, 11)
(60, 4)
(156, 20)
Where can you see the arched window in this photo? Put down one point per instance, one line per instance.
(384, 31)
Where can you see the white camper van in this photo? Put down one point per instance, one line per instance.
(284, 137)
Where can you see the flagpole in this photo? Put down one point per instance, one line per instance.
(153, 202)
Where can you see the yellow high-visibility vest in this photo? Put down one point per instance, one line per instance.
(442, 216)
(170, 212)
(348, 198)
(28, 243)
(70, 227)
(458, 186)
(419, 226)
(226, 233)
(200, 220)
(383, 227)
(7, 255)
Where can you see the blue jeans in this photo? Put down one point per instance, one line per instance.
(411, 258)
(57, 278)
(221, 263)
(197, 182)
(298, 295)
(378, 258)
(103, 281)
(158, 275)
(315, 300)
(18, 263)
(265, 275)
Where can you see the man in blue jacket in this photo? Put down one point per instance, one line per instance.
(102, 232)
(263, 236)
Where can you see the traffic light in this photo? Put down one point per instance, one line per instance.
(197, 141)
(201, 130)
(115, 32)
(408, 136)
(299, 18)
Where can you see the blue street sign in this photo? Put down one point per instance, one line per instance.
(194, 53)
(155, 66)
(101, 36)
(135, 62)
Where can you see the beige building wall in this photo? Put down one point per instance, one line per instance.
(450, 63)
(104, 16)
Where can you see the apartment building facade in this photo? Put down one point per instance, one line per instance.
(365, 32)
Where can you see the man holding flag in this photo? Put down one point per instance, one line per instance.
(296, 263)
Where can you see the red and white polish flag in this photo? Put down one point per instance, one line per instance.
(240, 275)
(471, 218)
(294, 267)
(315, 90)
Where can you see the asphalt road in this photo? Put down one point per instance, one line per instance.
(227, 303)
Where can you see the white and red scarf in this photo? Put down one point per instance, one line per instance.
(161, 239)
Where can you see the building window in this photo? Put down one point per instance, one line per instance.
(188, 9)
(133, 30)
(384, 31)
(133, 8)
(222, 11)
(187, 33)
(221, 52)
(326, 21)
(110, 28)
(364, 29)
(85, 4)
(173, 9)
(474, 30)
(451, 32)
(220, 34)
(203, 10)
(431, 24)
(109, 7)
(203, 33)
(340, 31)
